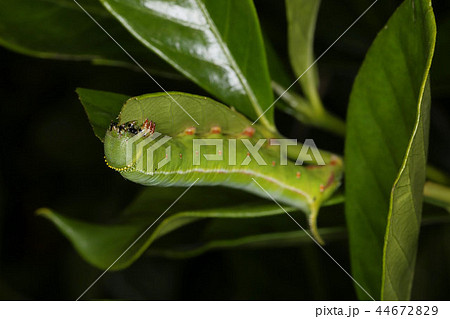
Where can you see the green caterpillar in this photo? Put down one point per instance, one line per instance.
(154, 122)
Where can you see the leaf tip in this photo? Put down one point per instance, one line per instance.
(44, 212)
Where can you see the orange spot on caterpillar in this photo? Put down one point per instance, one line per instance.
(220, 152)
(322, 188)
(248, 153)
(273, 163)
(189, 131)
(216, 130)
(181, 156)
(334, 160)
(298, 174)
(249, 131)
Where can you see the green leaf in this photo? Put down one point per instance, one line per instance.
(405, 211)
(385, 152)
(101, 245)
(101, 108)
(217, 44)
(302, 16)
(59, 29)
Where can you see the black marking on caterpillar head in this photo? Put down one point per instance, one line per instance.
(148, 127)
(133, 130)
(113, 126)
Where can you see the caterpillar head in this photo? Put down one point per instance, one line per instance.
(119, 140)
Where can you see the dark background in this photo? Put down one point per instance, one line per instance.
(50, 157)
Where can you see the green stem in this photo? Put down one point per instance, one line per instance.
(436, 175)
(434, 193)
(437, 194)
(310, 112)
(330, 123)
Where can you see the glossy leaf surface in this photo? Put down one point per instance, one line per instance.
(217, 44)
